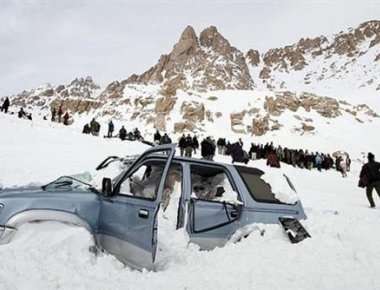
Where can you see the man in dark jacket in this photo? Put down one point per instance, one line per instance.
(157, 137)
(86, 129)
(181, 144)
(165, 139)
(370, 178)
(122, 133)
(195, 144)
(208, 149)
(238, 154)
(188, 144)
(5, 106)
(60, 113)
(111, 127)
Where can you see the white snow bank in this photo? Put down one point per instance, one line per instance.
(280, 186)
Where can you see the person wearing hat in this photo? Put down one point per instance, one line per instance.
(370, 178)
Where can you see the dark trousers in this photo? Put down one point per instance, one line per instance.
(374, 185)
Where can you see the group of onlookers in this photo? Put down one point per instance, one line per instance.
(57, 115)
(300, 158)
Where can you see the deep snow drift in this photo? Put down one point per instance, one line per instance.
(343, 252)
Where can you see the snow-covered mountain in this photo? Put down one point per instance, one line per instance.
(339, 64)
(206, 85)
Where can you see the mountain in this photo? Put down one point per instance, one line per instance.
(343, 63)
(205, 63)
(204, 85)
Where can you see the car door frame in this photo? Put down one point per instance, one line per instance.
(209, 238)
(134, 254)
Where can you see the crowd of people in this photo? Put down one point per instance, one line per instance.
(58, 115)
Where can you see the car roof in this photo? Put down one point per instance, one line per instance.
(240, 168)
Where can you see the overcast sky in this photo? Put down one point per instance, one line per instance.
(57, 40)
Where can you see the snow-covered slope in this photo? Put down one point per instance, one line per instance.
(342, 253)
(345, 64)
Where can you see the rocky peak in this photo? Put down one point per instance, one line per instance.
(207, 63)
(211, 38)
(253, 57)
(186, 45)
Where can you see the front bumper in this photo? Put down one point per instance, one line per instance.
(6, 234)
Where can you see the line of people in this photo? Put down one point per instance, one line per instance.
(57, 115)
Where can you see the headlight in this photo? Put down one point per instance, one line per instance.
(1, 205)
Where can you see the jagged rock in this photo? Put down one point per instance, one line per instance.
(307, 128)
(164, 105)
(253, 57)
(265, 73)
(114, 90)
(206, 64)
(48, 93)
(160, 122)
(260, 125)
(181, 127)
(237, 124)
(75, 105)
(193, 111)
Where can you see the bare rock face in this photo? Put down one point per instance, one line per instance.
(75, 105)
(164, 105)
(181, 127)
(307, 128)
(253, 57)
(193, 111)
(260, 125)
(326, 107)
(113, 91)
(237, 124)
(207, 63)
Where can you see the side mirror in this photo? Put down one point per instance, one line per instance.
(107, 186)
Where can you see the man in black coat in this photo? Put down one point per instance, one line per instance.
(195, 144)
(208, 149)
(181, 144)
(157, 137)
(370, 178)
(5, 106)
(188, 144)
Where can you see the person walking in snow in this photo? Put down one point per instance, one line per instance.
(370, 178)
(272, 159)
(165, 139)
(86, 129)
(188, 145)
(5, 106)
(181, 144)
(122, 133)
(195, 144)
(110, 129)
(60, 113)
(53, 114)
(157, 137)
(66, 118)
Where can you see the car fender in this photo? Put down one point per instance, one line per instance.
(41, 215)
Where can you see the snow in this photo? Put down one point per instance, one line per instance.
(343, 252)
(280, 186)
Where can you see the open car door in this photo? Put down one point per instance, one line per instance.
(212, 217)
(128, 218)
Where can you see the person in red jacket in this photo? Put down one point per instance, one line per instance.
(272, 159)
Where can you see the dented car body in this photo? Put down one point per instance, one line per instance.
(215, 200)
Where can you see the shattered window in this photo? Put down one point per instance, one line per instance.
(211, 183)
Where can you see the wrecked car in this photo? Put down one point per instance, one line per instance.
(215, 201)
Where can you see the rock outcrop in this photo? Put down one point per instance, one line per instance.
(207, 63)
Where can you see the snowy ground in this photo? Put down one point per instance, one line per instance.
(343, 252)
